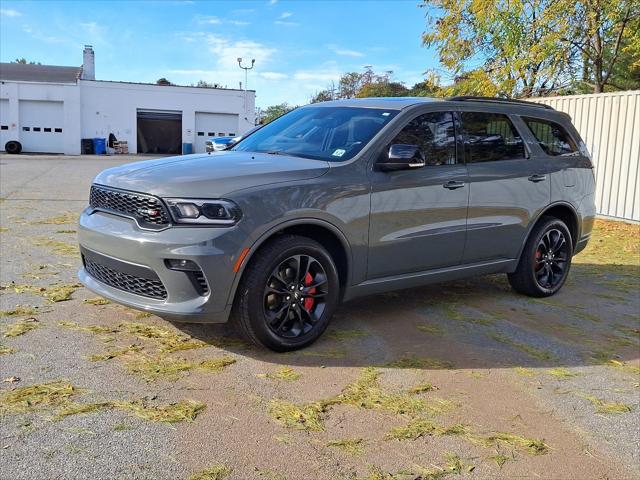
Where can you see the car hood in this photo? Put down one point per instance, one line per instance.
(210, 175)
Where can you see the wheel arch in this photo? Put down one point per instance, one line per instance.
(326, 233)
(563, 211)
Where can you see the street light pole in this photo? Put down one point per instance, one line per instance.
(246, 69)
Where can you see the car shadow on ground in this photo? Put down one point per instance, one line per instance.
(473, 324)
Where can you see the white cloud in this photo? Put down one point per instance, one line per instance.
(285, 15)
(286, 24)
(273, 2)
(208, 19)
(345, 52)
(273, 75)
(9, 12)
(317, 75)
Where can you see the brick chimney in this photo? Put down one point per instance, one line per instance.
(88, 63)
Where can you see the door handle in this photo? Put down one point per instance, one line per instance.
(537, 178)
(452, 184)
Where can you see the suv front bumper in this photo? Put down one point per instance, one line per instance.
(130, 255)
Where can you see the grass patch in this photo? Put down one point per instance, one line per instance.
(57, 247)
(612, 242)
(286, 374)
(217, 472)
(421, 388)
(422, 427)
(624, 366)
(66, 231)
(420, 362)
(21, 327)
(561, 372)
(608, 408)
(532, 446)
(169, 368)
(341, 335)
(25, 399)
(95, 329)
(523, 347)
(306, 417)
(114, 353)
(19, 311)
(349, 446)
(67, 217)
(184, 410)
(500, 459)
(168, 340)
(217, 365)
(366, 393)
(431, 329)
(4, 350)
(524, 371)
(122, 427)
(96, 301)
(53, 293)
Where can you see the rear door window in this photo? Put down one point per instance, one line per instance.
(490, 137)
(551, 137)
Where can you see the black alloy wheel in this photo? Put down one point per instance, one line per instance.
(545, 260)
(551, 259)
(294, 296)
(287, 294)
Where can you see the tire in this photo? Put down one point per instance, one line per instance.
(545, 261)
(269, 312)
(13, 147)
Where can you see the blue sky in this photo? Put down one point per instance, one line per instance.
(299, 46)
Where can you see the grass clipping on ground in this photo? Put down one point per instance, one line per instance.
(58, 398)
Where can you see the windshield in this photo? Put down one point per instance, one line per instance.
(325, 133)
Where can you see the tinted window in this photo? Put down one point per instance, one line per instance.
(325, 133)
(434, 133)
(490, 137)
(553, 138)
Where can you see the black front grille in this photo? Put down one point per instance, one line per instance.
(145, 208)
(152, 288)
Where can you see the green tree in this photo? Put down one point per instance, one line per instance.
(24, 61)
(517, 43)
(383, 89)
(606, 33)
(322, 96)
(269, 114)
(163, 81)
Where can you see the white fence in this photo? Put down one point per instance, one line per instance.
(609, 123)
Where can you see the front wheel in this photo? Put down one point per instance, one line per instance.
(546, 259)
(287, 294)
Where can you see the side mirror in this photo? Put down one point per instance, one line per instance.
(402, 157)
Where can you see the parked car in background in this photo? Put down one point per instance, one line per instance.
(338, 200)
(217, 144)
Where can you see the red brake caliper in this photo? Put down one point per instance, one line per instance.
(308, 302)
(538, 257)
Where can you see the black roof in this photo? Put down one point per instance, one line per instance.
(39, 73)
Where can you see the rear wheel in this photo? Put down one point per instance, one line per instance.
(545, 261)
(287, 294)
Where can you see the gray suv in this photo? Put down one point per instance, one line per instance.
(338, 200)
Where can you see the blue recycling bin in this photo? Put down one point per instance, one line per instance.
(100, 146)
(187, 148)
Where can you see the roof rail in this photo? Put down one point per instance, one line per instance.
(465, 98)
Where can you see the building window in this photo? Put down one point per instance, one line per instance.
(232, 134)
(58, 130)
(36, 129)
(4, 127)
(25, 129)
(47, 129)
(211, 134)
(220, 134)
(201, 134)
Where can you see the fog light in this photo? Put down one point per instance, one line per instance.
(181, 265)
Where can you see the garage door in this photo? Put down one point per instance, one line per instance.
(159, 131)
(213, 125)
(4, 123)
(41, 126)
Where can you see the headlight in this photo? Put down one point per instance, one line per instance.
(203, 211)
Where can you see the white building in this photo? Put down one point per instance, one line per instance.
(49, 109)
